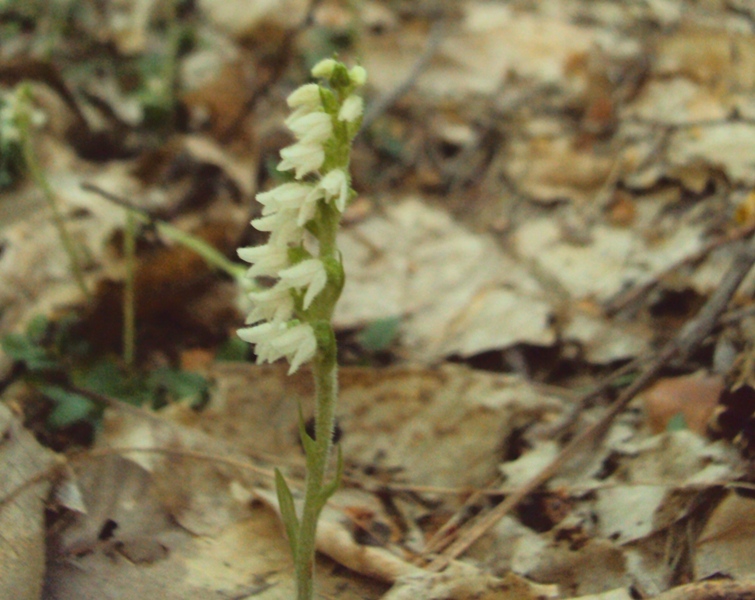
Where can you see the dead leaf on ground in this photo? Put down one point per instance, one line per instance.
(728, 539)
(24, 486)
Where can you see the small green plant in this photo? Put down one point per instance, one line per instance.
(11, 151)
(17, 117)
(292, 319)
(160, 73)
(60, 366)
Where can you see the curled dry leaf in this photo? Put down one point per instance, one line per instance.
(728, 539)
(693, 397)
(23, 488)
(447, 284)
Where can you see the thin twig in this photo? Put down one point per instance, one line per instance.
(104, 400)
(38, 175)
(129, 292)
(194, 454)
(382, 104)
(119, 201)
(569, 490)
(712, 590)
(441, 538)
(619, 302)
(680, 347)
(208, 252)
(279, 64)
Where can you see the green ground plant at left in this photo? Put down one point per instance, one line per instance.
(60, 366)
(48, 354)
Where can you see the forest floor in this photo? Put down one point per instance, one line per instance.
(545, 337)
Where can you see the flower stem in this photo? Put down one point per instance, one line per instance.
(325, 373)
(129, 296)
(37, 174)
(297, 312)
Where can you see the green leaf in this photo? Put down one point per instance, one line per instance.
(288, 511)
(297, 254)
(233, 349)
(677, 423)
(380, 334)
(20, 348)
(70, 407)
(332, 486)
(107, 378)
(179, 384)
(37, 328)
(67, 341)
(329, 101)
(340, 79)
(307, 441)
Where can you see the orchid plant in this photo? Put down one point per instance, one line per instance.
(292, 318)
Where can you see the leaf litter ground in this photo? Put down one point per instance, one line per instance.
(548, 195)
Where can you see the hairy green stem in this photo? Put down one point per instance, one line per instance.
(325, 373)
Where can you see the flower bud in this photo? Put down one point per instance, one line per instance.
(358, 75)
(324, 68)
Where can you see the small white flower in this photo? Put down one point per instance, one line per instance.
(298, 343)
(306, 96)
(304, 158)
(289, 196)
(313, 127)
(308, 273)
(276, 340)
(324, 68)
(10, 113)
(287, 235)
(283, 229)
(276, 221)
(259, 333)
(267, 260)
(310, 207)
(273, 304)
(261, 336)
(307, 210)
(15, 108)
(351, 109)
(9, 130)
(358, 75)
(252, 254)
(336, 186)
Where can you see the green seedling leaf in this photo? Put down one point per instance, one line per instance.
(107, 378)
(234, 349)
(20, 348)
(37, 328)
(70, 407)
(288, 511)
(66, 341)
(677, 423)
(380, 334)
(179, 385)
(623, 381)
